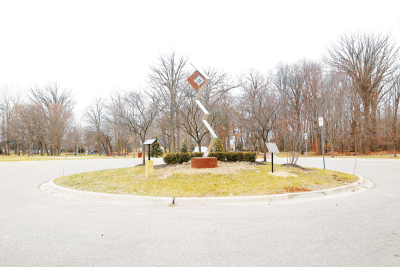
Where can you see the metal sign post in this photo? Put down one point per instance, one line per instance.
(321, 124)
(306, 137)
(272, 148)
(149, 164)
(149, 143)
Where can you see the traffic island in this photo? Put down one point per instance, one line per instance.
(227, 179)
(204, 163)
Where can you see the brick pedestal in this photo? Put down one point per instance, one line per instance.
(203, 163)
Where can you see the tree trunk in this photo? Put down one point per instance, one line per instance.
(367, 127)
(173, 138)
(144, 152)
(265, 150)
(374, 126)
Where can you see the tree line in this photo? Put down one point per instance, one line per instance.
(355, 88)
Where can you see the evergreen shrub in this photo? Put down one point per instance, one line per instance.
(156, 151)
(184, 148)
(219, 147)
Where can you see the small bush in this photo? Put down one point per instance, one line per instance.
(184, 157)
(250, 156)
(169, 158)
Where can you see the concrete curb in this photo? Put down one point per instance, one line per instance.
(59, 191)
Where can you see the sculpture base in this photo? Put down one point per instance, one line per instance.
(204, 163)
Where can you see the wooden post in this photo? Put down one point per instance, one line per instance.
(149, 168)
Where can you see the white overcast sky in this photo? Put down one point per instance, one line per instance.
(94, 47)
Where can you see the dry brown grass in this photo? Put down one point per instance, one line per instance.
(229, 179)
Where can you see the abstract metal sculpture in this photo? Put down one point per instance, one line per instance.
(199, 82)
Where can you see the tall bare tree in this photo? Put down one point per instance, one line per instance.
(261, 105)
(138, 113)
(29, 125)
(95, 118)
(393, 110)
(370, 60)
(9, 101)
(57, 107)
(166, 78)
(290, 83)
(335, 103)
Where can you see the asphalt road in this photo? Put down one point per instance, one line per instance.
(38, 229)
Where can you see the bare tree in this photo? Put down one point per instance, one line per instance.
(30, 118)
(261, 105)
(313, 84)
(8, 103)
(290, 82)
(334, 104)
(95, 118)
(57, 107)
(215, 94)
(369, 59)
(138, 114)
(226, 119)
(73, 140)
(393, 108)
(191, 115)
(166, 79)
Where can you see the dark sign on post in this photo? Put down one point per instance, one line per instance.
(149, 143)
(272, 148)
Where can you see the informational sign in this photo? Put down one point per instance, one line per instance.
(272, 148)
(306, 136)
(196, 80)
(149, 142)
(321, 121)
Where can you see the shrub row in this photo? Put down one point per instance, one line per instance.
(180, 157)
(234, 156)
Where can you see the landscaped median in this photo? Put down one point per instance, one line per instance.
(229, 179)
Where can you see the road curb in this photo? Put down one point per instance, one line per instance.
(59, 191)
